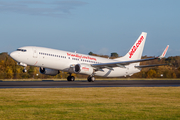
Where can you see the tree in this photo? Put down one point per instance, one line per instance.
(9, 72)
(114, 55)
(151, 74)
(173, 75)
(90, 53)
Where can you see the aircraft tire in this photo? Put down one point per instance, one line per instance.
(91, 79)
(24, 70)
(70, 78)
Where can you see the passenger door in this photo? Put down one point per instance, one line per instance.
(35, 53)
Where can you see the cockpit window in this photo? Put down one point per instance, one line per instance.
(23, 50)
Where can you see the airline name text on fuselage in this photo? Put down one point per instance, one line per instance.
(81, 56)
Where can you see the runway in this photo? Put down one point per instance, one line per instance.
(85, 84)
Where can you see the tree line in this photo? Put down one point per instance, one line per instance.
(10, 70)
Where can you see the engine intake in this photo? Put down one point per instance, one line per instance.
(77, 68)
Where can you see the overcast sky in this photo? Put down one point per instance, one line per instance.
(100, 26)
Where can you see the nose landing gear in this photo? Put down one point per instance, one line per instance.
(24, 70)
(24, 65)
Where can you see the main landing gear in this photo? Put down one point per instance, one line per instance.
(70, 78)
(91, 79)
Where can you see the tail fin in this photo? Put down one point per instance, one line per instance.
(136, 50)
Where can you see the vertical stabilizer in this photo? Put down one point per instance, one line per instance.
(136, 50)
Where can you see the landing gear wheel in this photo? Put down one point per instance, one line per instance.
(70, 78)
(91, 79)
(24, 70)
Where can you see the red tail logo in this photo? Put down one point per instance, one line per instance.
(135, 47)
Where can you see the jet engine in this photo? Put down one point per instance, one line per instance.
(47, 71)
(83, 69)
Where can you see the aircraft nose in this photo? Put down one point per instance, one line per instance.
(13, 54)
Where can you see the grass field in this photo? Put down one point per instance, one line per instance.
(90, 103)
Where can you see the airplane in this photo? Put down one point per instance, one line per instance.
(52, 61)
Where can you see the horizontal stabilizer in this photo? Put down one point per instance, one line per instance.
(145, 66)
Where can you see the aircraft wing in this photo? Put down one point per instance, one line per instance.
(123, 63)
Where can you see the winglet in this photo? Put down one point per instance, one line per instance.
(164, 52)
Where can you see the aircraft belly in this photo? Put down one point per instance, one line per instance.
(117, 72)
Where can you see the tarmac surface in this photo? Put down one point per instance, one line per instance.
(85, 84)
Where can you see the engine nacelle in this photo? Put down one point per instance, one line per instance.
(83, 69)
(47, 71)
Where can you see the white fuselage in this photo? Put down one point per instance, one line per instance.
(62, 60)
